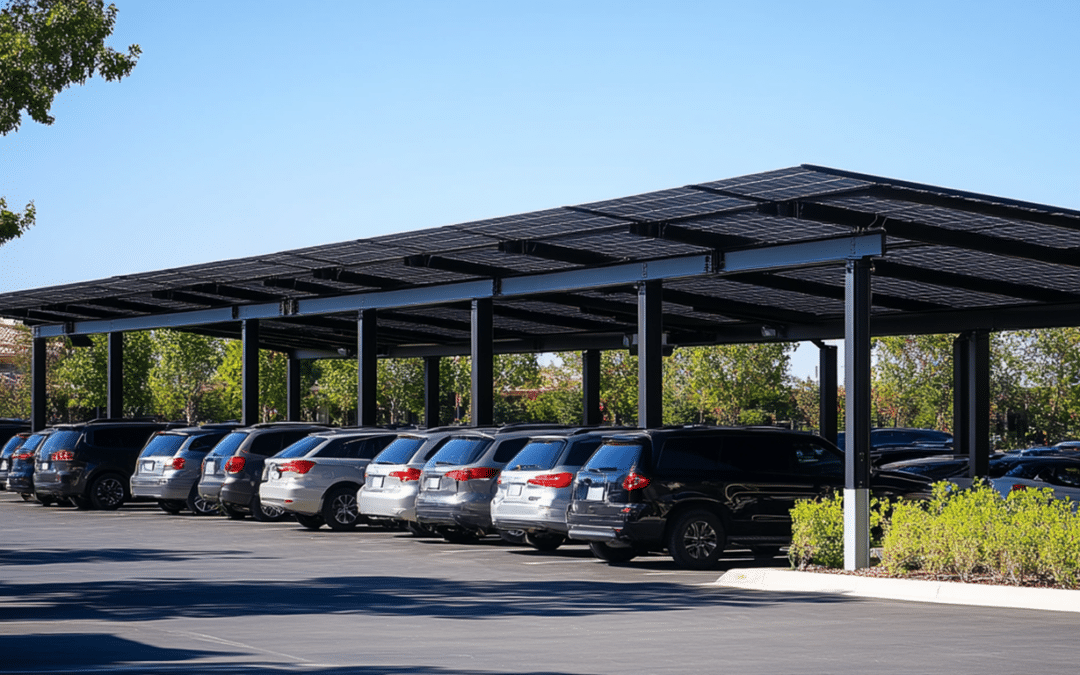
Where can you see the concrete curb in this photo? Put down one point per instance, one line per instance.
(946, 592)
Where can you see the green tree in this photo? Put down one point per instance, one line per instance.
(400, 392)
(912, 381)
(182, 380)
(45, 47)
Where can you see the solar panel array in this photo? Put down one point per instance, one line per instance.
(954, 261)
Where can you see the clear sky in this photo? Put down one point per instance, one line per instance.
(255, 126)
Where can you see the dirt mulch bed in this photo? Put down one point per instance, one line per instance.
(985, 579)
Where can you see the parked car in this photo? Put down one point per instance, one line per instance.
(20, 478)
(316, 478)
(694, 491)
(12, 444)
(458, 482)
(535, 487)
(392, 479)
(883, 437)
(1060, 474)
(169, 465)
(232, 471)
(90, 464)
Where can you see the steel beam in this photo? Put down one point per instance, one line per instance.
(37, 384)
(367, 409)
(293, 392)
(483, 363)
(827, 381)
(857, 399)
(592, 415)
(114, 376)
(249, 409)
(431, 391)
(650, 355)
(803, 253)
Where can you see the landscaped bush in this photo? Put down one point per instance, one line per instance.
(1029, 537)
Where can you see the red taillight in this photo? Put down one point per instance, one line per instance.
(24, 455)
(406, 475)
(297, 466)
(63, 456)
(473, 473)
(177, 463)
(1018, 486)
(634, 481)
(235, 465)
(553, 480)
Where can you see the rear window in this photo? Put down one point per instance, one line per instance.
(228, 445)
(58, 440)
(507, 449)
(13, 442)
(537, 456)
(459, 451)
(302, 447)
(400, 450)
(165, 444)
(33, 442)
(204, 442)
(614, 457)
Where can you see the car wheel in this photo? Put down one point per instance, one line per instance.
(231, 513)
(199, 506)
(107, 492)
(266, 514)
(310, 522)
(340, 510)
(458, 535)
(513, 536)
(171, 506)
(696, 540)
(612, 554)
(544, 542)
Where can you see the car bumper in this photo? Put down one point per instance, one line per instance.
(237, 493)
(21, 483)
(58, 483)
(512, 516)
(306, 501)
(398, 504)
(461, 512)
(157, 487)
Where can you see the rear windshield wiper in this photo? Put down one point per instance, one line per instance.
(604, 469)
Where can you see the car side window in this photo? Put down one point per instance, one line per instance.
(760, 454)
(817, 460)
(508, 448)
(581, 452)
(691, 454)
(1067, 476)
(267, 444)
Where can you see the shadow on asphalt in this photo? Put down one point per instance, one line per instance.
(101, 555)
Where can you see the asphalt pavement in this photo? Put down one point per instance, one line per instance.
(138, 590)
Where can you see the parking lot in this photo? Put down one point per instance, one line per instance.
(138, 590)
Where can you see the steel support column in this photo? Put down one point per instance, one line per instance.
(971, 402)
(483, 363)
(37, 384)
(249, 412)
(114, 376)
(367, 378)
(827, 381)
(293, 393)
(857, 395)
(650, 355)
(431, 391)
(591, 414)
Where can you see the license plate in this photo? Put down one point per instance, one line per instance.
(514, 490)
(148, 466)
(375, 481)
(3, 464)
(44, 466)
(209, 467)
(431, 483)
(595, 494)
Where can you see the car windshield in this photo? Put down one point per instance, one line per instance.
(60, 440)
(162, 445)
(400, 450)
(537, 456)
(228, 445)
(459, 451)
(302, 446)
(613, 457)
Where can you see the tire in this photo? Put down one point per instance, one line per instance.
(107, 492)
(310, 522)
(171, 506)
(513, 536)
(697, 540)
(544, 542)
(230, 512)
(199, 506)
(340, 510)
(612, 554)
(458, 535)
(266, 514)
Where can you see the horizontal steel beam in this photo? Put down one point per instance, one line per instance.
(802, 254)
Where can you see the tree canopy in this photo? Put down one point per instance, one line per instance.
(45, 47)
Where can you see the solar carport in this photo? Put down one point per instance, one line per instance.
(805, 253)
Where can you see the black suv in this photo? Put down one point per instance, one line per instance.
(91, 463)
(694, 491)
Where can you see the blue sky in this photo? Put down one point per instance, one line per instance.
(251, 127)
